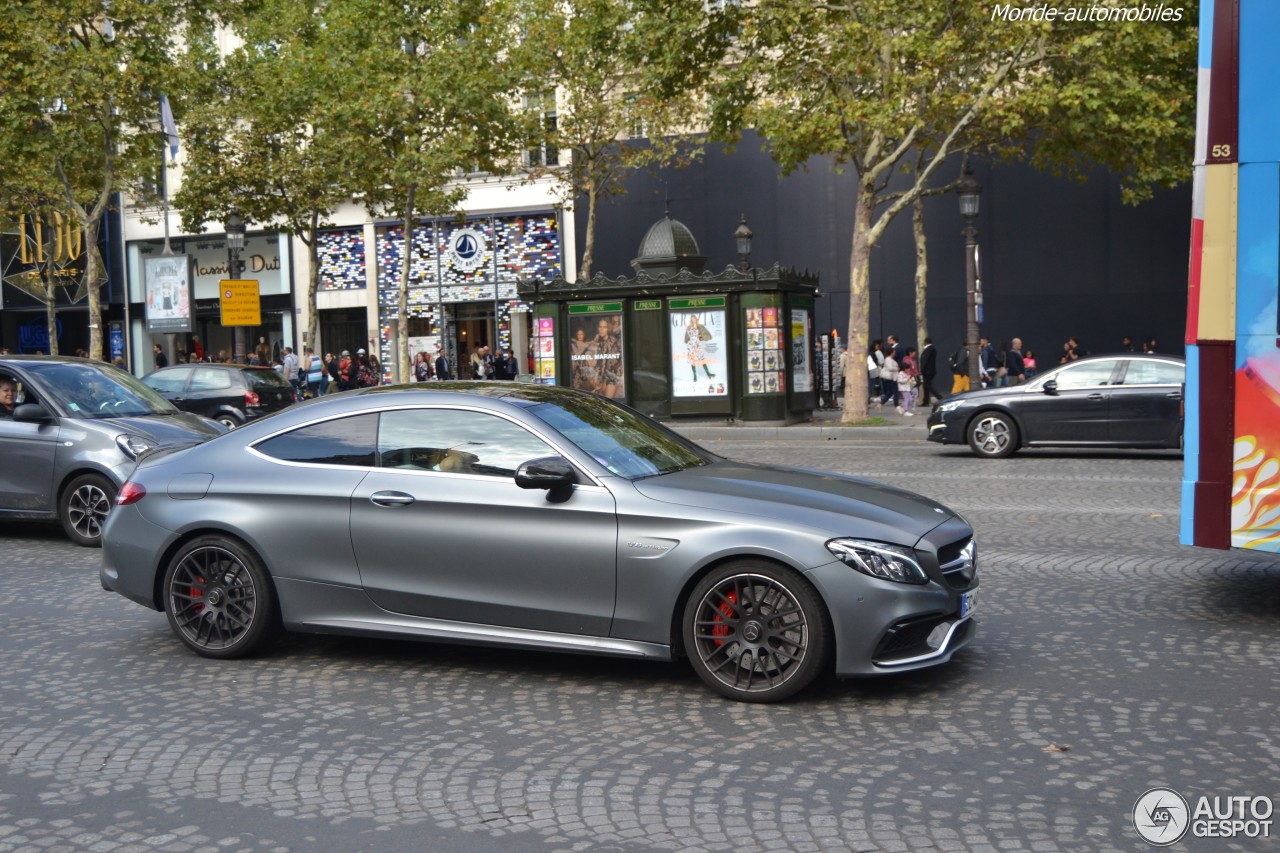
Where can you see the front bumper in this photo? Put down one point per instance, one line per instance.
(944, 430)
(882, 627)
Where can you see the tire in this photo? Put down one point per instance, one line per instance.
(228, 421)
(756, 632)
(993, 435)
(219, 598)
(83, 508)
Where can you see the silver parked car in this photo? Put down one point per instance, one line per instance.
(543, 518)
(73, 435)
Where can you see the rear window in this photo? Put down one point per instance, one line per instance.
(266, 379)
(345, 441)
(168, 381)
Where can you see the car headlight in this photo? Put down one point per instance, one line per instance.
(949, 406)
(879, 560)
(133, 446)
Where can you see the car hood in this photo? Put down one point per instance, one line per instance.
(810, 498)
(172, 430)
(980, 394)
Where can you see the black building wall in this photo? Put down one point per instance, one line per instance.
(1058, 257)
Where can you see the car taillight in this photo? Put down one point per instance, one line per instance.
(130, 493)
(251, 398)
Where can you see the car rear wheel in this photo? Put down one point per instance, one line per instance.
(756, 632)
(993, 435)
(86, 502)
(219, 598)
(228, 421)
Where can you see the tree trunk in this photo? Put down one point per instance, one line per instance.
(589, 243)
(922, 272)
(313, 285)
(90, 249)
(856, 387)
(402, 323)
(51, 309)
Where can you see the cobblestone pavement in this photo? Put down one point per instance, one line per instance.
(1109, 660)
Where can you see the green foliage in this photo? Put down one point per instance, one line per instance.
(630, 78)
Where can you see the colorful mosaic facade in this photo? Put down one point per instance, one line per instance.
(342, 259)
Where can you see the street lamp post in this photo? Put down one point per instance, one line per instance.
(235, 242)
(969, 191)
(742, 236)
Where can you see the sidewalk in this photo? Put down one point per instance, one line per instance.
(825, 425)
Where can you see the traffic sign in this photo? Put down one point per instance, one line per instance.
(240, 302)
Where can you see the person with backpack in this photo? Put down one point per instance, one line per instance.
(958, 361)
(422, 367)
(313, 373)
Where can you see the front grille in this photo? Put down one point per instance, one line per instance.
(959, 563)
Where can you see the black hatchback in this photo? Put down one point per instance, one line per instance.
(1126, 400)
(231, 394)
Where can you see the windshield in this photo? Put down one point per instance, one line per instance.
(624, 441)
(90, 391)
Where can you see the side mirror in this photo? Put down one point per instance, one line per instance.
(1051, 388)
(546, 472)
(32, 413)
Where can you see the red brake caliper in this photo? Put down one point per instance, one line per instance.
(197, 592)
(720, 629)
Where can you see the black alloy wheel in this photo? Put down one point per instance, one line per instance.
(219, 598)
(993, 435)
(84, 506)
(756, 632)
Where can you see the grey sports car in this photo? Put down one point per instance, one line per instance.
(544, 518)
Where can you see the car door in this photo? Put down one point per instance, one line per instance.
(441, 530)
(1146, 402)
(1069, 405)
(28, 451)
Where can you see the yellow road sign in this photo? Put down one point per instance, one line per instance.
(240, 302)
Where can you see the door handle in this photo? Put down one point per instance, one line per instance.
(1097, 398)
(1174, 395)
(391, 498)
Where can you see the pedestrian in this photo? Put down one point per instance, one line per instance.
(875, 359)
(1126, 344)
(889, 380)
(507, 366)
(1015, 364)
(333, 365)
(1029, 363)
(907, 376)
(313, 373)
(442, 365)
(162, 360)
(958, 361)
(1149, 345)
(289, 362)
(346, 371)
(196, 349)
(928, 370)
(422, 368)
(987, 365)
(486, 355)
(365, 375)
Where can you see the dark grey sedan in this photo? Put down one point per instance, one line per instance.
(1130, 400)
(73, 436)
(542, 518)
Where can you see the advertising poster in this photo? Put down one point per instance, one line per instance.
(800, 375)
(544, 351)
(595, 349)
(168, 307)
(698, 348)
(1255, 497)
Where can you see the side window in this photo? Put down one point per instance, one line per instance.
(1088, 375)
(1143, 372)
(207, 379)
(345, 441)
(168, 381)
(456, 441)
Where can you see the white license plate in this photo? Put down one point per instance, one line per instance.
(968, 604)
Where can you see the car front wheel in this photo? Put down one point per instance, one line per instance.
(86, 502)
(993, 435)
(228, 421)
(219, 598)
(756, 632)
